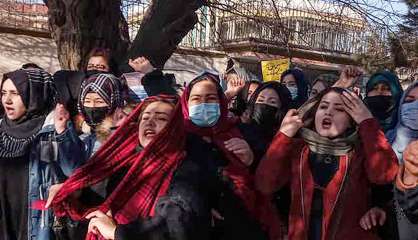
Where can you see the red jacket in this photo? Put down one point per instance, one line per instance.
(372, 161)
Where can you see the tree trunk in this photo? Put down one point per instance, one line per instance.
(78, 26)
(165, 24)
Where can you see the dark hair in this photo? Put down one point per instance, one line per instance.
(30, 65)
(207, 77)
(106, 54)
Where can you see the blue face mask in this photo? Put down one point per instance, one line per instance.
(205, 114)
(409, 115)
(293, 92)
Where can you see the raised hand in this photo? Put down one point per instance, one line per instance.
(349, 76)
(62, 116)
(355, 107)
(291, 123)
(141, 64)
(241, 149)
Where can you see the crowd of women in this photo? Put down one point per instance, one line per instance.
(85, 156)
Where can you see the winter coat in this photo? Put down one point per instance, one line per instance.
(346, 198)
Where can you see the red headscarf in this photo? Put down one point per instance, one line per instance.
(223, 130)
(149, 171)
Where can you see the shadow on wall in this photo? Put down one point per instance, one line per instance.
(17, 50)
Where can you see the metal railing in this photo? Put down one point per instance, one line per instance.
(294, 27)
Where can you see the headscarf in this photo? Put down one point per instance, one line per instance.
(241, 102)
(302, 85)
(322, 145)
(392, 81)
(149, 171)
(223, 130)
(284, 97)
(38, 94)
(402, 135)
(107, 86)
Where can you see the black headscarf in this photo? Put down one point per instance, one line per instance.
(38, 94)
(302, 85)
(285, 100)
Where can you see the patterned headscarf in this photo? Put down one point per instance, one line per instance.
(38, 94)
(107, 86)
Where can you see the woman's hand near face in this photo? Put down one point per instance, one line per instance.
(291, 123)
(62, 116)
(102, 224)
(355, 107)
(241, 149)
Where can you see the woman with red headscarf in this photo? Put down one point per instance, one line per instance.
(161, 192)
(205, 113)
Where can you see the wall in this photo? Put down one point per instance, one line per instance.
(16, 50)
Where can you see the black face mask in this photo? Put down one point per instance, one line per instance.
(380, 106)
(96, 115)
(266, 116)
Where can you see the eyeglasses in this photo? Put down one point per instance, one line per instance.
(96, 67)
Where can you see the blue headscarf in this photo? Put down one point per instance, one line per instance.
(392, 81)
(301, 84)
(402, 135)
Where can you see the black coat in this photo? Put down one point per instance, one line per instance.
(407, 213)
(196, 188)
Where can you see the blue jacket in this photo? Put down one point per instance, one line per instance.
(52, 159)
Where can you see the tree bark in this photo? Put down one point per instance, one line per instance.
(165, 24)
(78, 26)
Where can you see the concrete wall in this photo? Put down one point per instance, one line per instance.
(16, 50)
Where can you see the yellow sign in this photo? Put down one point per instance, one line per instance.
(273, 69)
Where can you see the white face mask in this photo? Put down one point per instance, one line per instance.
(293, 92)
(409, 115)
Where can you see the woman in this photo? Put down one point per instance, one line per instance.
(100, 99)
(322, 82)
(383, 93)
(403, 134)
(266, 109)
(341, 151)
(406, 129)
(157, 193)
(243, 97)
(294, 80)
(205, 113)
(406, 194)
(38, 148)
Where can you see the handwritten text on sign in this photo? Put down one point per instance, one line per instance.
(273, 69)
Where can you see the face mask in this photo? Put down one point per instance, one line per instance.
(90, 73)
(409, 115)
(265, 116)
(293, 92)
(96, 115)
(380, 106)
(205, 114)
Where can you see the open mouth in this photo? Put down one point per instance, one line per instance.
(149, 133)
(326, 123)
